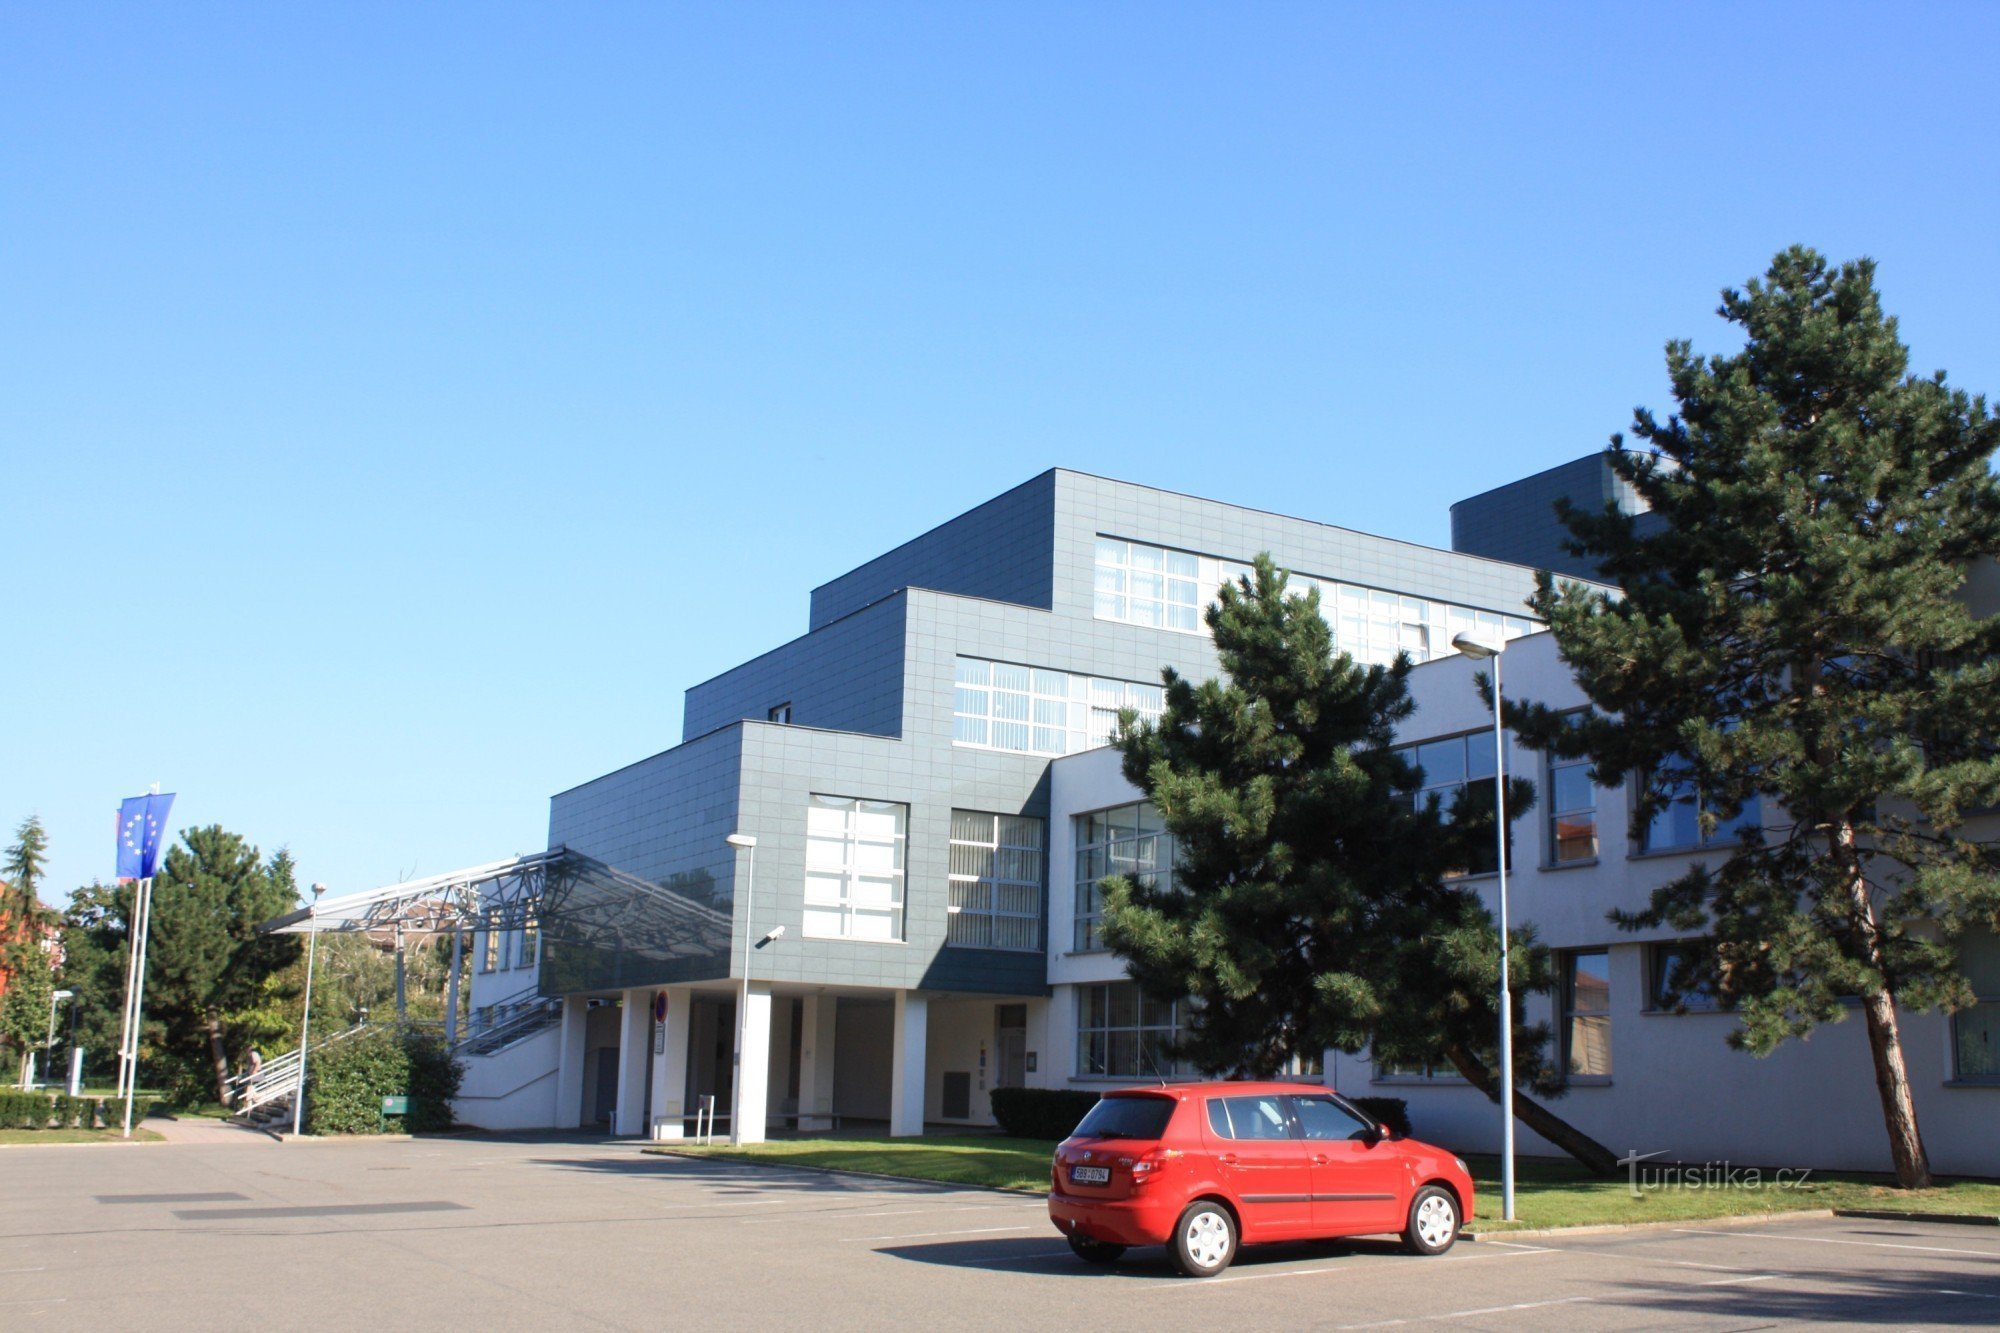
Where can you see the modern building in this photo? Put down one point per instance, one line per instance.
(894, 767)
(925, 777)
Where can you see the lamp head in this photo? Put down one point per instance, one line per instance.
(740, 841)
(318, 889)
(1476, 646)
(61, 995)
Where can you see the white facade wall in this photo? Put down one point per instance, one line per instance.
(1676, 1086)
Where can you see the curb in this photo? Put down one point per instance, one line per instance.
(1895, 1215)
(843, 1171)
(1665, 1224)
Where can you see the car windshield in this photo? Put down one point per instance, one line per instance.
(1126, 1118)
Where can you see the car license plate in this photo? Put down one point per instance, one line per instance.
(1090, 1175)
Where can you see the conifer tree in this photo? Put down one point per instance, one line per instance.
(1795, 663)
(1310, 905)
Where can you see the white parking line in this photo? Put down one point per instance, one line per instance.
(1739, 1281)
(1830, 1240)
(838, 1214)
(1467, 1314)
(1346, 1264)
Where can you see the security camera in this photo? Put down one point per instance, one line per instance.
(776, 932)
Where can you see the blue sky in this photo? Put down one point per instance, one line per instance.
(401, 405)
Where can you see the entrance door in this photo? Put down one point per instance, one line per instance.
(607, 1087)
(1263, 1164)
(1011, 1046)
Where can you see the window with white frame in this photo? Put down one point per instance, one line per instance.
(1975, 1031)
(1033, 710)
(1157, 586)
(1123, 1033)
(1129, 840)
(1586, 997)
(996, 881)
(1149, 585)
(1572, 823)
(854, 868)
(1456, 768)
(531, 934)
(490, 961)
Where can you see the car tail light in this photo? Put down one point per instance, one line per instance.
(1148, 1168)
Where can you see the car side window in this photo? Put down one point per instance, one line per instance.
(1249, 1118)
(1323, 1118)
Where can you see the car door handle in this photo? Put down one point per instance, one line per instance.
(1229, 1157)
(1319, 1160)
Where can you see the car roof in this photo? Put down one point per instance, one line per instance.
(1233, 1087)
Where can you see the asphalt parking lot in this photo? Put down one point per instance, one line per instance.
(503, 1234)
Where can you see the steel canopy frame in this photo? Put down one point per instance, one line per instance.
(569, 897)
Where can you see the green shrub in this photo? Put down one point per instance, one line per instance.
(345, 1084)
(24, 1110)
(1391, 1111)
(1041, 1113)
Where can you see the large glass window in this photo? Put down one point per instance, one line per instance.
(1129, 840)
(1160, 587)
(1587, 1014)
(1122, 1033)
(1976, 1031)
(1572, 827)
(854, 868)
(1032, 710)
(1677, 826)
(490, 959)
(1149, 585)
(996, 881)
(1458, 772)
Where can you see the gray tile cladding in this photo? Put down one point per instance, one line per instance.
(870, 686)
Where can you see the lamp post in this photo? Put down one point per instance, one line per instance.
(742, 842)
(49, 1046)
(305, 1021)
(1478, 649)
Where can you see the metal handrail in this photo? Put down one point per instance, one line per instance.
(279, 1076)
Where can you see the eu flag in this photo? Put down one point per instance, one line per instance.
(141, 821)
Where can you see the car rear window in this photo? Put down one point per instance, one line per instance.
(1127, 1118)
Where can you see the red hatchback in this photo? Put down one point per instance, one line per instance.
(1204, 1167)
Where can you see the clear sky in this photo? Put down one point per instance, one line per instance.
(400, 405)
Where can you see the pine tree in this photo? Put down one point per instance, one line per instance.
(1310, 905)
(26, 861)
(205, 958)
(1794, 642)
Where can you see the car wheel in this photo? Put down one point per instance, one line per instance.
(1204, 1239)
(1433, 1221)
(1095, 1251)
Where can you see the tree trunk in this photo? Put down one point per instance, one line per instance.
(1594, 1156)
(218, 1058)
(1885, 1037)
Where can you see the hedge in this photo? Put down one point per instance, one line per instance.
(345, 1084)
(59, 1110)
(1391, 1111)
(1041, 1113)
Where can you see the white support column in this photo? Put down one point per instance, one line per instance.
(816, 1062)
(670, 1067)
(635, 1045)
(906, 1075)
(569, 1063)
(753, 1098)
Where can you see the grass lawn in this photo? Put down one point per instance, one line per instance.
(75, 1136)
(1547, 1194)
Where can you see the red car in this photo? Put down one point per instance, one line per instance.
(1204, 1167)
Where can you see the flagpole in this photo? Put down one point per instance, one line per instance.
(131, 974)
(138, 998)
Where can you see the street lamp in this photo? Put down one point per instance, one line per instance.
(1478, 649)
(305, 1022)
(742, 842)
(50, 1044)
